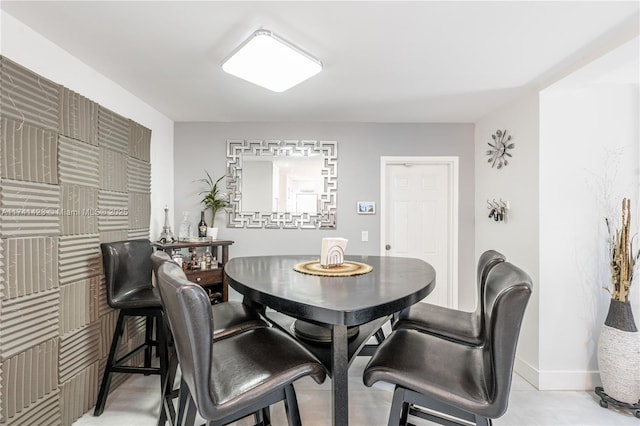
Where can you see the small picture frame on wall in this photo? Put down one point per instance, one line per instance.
(366, 207)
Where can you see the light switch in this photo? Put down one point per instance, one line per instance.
(365, 236)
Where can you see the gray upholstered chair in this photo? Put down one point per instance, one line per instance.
(237, 376)
(450, 323)
(453, 378)
(128, 271)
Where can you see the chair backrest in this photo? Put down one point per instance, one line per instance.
(486, 262)
(188, 310)
(158, 257)
(127, 268)
(507, 292)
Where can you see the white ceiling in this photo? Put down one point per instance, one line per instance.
(392, 61)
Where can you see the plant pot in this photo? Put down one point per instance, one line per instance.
(619, 354)
(212, 233)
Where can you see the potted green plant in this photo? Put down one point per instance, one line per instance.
(619, 343)
(213, 199)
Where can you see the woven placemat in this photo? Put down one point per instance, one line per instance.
(347, 269)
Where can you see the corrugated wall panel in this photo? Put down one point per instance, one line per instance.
(29, 208)
(138, 176)
(44, 412)
(79, 258)
(111, 236)
(28, 321)
(138, 234)
(31, 265)
(79, 210)
(113, 170)
(78, 117)
(28, 97)
(139, 210)
(107, 326)
(103, 306)
(57, 148)
(114, 211)
(38, 367)
(29, 152)
(139, 141)
(77, 303)
(77, 163)
(77, 350)
(79, 394)
(113, 130)
(3, 281)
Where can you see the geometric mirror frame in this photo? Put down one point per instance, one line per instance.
(289, 203)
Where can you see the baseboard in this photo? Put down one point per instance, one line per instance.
(557, 379)
(527, 372)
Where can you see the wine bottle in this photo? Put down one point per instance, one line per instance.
(202, 226)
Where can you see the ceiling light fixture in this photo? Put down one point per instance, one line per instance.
(271, 62)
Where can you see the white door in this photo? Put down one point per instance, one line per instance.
(419, 217)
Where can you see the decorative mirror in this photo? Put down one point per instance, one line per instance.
(282, 184)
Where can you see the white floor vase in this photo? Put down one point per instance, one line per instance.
(619, 354)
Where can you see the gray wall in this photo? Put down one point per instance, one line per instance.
(202, 146)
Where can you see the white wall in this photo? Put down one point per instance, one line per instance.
(26, 47)
(517, 238)
(589, 150)
(579, 142)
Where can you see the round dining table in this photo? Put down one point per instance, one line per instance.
(338, 303)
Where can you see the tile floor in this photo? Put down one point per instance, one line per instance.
(136, 403)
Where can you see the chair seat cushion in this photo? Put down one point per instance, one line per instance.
(253, 363)
(233, 317)
(139, 298)
(448, 371)
(448, 323)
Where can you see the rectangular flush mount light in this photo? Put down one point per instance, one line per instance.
(271, 62)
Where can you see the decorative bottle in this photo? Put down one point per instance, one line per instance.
(202, 226)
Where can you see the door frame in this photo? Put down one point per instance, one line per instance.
(452, 255)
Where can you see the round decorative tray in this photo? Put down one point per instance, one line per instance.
(347, 269)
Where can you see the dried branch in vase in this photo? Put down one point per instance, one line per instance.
(622, 257)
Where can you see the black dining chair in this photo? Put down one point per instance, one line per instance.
(229, 317)
(453, 324)
(128, 272)
(240, 375)
(453, 379)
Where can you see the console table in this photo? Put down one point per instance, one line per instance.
(213, 280)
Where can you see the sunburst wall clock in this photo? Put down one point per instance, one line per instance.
(499, 149)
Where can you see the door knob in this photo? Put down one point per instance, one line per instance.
(387, 247)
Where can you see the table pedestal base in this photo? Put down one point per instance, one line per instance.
(318, 333)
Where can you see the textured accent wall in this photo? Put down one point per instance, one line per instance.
(73, 174)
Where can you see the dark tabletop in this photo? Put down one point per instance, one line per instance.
(394, 283)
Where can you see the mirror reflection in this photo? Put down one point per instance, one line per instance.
(282, 184)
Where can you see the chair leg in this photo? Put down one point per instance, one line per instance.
(106, 375)
(379, 335)
(167, 412)
(190, 414)
(266, 416)
(163, 348)
(148, 339)
(404, 414)
(291, 406)
(399, 409)
(483, 421)
(183, 400)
